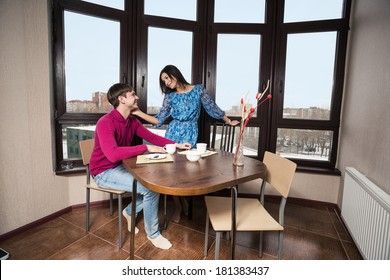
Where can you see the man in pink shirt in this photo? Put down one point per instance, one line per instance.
(113, 137)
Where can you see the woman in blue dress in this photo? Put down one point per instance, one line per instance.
(182, 101)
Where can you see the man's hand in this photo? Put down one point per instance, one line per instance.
(156, 149)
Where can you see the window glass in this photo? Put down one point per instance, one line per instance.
(246, 11)
(117, 4)
(161, 54)
(304, 144)
(250, 140)
(91, 62)
(308, 10)
(237, 71)
(309, 76)
(172, 8)
(72, 135)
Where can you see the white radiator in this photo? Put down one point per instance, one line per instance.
(366, 213)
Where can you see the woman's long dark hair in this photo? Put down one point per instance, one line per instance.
(172, 71)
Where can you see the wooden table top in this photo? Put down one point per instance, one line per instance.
(185, 178)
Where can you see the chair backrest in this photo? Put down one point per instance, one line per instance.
(225, 139)
(86, 147)
(280, 172)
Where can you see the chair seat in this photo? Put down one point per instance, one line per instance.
(251, 215)
(95, 187)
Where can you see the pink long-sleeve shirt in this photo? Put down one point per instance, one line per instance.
(113, 137)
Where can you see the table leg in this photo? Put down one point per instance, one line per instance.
(133, 205)
(190, 203)
(233, 193)
(165, 212)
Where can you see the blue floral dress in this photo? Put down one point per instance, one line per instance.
(184, 108)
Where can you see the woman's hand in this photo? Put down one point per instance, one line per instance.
(150, 119)
(184, 146)
(234, 123)
(229, 121)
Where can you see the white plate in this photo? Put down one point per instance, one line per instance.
(156, 156)
(194, 150)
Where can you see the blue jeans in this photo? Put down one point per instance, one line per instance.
(120, 179)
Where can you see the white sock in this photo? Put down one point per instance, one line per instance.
(128, 218)
(161, 242)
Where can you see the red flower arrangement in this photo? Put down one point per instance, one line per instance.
(246, 115)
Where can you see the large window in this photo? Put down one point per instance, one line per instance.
(233, 50)
(309, 75)
(89, 41)
(308, 81)
(177, 9)
(247, 11)
(91, 61)
(176, 54)
(231, 84)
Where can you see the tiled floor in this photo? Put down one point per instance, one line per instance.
(311, 233)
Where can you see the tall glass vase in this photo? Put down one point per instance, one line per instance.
(239, 154)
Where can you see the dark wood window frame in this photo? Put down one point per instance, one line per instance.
(133, 57)
(341, 26)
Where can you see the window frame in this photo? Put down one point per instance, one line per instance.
(143, 23)
(341, 26)
(61, 117)
(265, 71)
(133, 63)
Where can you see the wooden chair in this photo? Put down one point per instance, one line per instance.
(222, 136)
(86, 147)
(251, 214)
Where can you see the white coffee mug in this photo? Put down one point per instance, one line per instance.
(170, 148)
(201, 147)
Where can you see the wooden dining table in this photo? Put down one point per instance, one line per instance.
(185, 178)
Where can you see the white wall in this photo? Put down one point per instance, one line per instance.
(324, 188)
(365, 129)
(29, 188)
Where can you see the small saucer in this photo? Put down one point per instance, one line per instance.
(156, 156)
